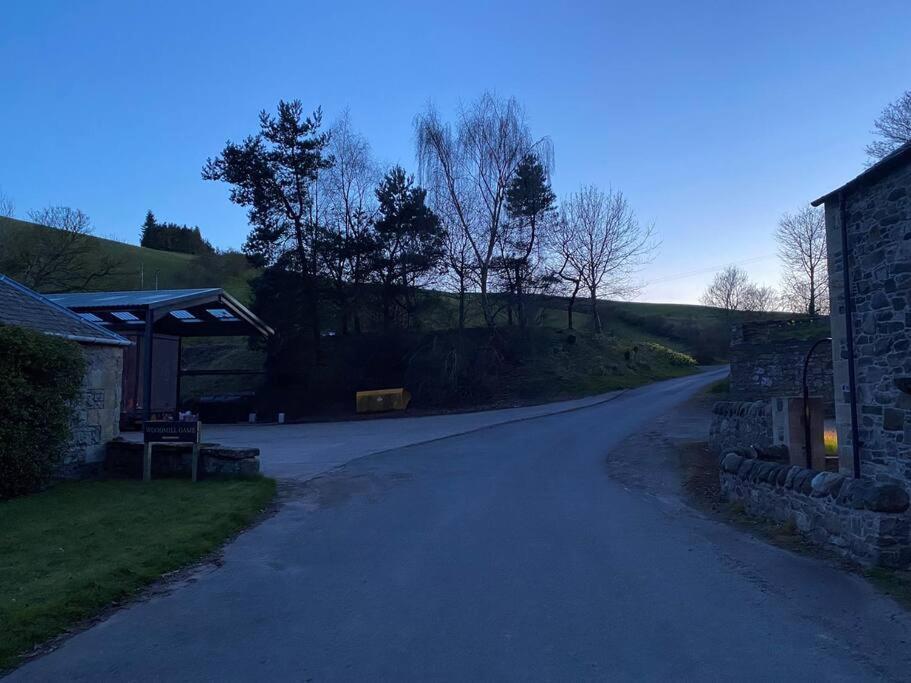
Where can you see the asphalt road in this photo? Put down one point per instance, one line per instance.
(301, 451)
(506, 553)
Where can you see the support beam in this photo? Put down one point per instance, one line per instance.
(147, 342)
(179, 375)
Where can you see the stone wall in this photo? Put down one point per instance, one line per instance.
(740, 424)
(865, 521)
(767, 360)
(879, 259)
(96, 419)
(124, 459)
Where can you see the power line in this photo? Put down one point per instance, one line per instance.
(702, 271)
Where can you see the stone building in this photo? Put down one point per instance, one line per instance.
(868, 229)
(97, 412)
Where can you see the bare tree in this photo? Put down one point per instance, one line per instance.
(893, 126)
(344, 193)
(469, 169)
(7, 207)
(760, 298)
(459, 268)
(607, 244)
(61, 258)
(801, 240)
(565, 272)
(729, 290)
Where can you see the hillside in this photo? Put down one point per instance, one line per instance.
(641, 341)
(135, 267)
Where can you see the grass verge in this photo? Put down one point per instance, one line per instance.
(70, 551)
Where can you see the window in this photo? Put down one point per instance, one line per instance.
(126, 317)
(185, 316)
(221, 314)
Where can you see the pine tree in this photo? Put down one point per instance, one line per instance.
(409, 241)
(272, 174)
(529, 200)
(148, 227)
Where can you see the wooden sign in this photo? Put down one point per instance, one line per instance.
(170, 431)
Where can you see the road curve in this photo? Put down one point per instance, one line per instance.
(506, 553)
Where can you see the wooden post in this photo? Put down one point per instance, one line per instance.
(147, 463)
(195, 459)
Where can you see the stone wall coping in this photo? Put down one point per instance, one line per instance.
(854, 494)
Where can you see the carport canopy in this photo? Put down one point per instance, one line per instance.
(146, 316)
(181, 312)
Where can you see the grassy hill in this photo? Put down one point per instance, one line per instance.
(135, 267)
(641, 341)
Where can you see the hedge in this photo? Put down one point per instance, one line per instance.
(40, 378)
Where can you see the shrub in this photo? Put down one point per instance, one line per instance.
(40, 377)
(670, 356)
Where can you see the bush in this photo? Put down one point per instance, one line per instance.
(40, 377)
(669, 356)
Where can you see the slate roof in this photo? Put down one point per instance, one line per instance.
(19, 305)
(896, 159)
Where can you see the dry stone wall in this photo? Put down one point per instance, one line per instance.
(740, 424)
(125, 459)
(863, 520)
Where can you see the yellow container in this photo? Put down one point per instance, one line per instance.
(380, 400)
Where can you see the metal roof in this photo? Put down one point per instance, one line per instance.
(898, 158)
(21, 306)
(137, 299)
(183, 312)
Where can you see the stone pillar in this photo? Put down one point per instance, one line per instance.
(839, 339)
(788, 430)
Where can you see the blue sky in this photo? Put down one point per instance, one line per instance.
(713, 117)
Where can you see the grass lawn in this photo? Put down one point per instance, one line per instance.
(68, 552)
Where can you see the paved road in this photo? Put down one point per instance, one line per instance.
(301, 451)
(502, 554)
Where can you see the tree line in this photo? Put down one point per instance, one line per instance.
(345, 243)
(173, 237)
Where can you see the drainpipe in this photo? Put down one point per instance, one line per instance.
(849, 330)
